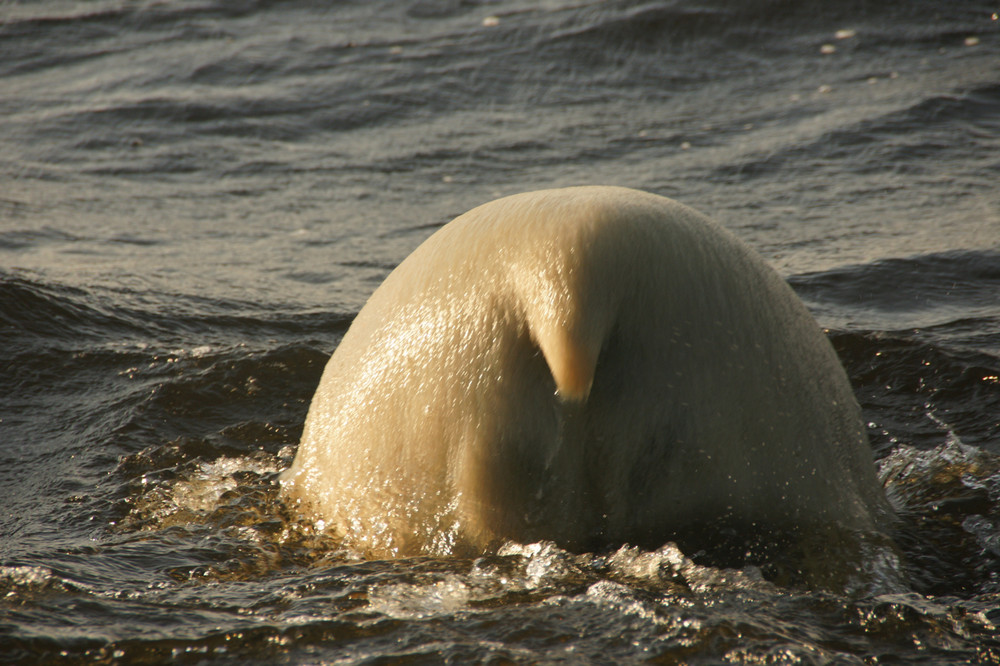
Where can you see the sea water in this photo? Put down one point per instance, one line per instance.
(196, 198)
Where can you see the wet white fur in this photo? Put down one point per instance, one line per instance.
(584, 365)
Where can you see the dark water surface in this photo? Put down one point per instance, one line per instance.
(196, 197)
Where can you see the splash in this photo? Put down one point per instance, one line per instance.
(194, 492)
(948, 499)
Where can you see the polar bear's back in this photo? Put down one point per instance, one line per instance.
(588, 365)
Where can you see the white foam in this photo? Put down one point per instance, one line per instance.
(406, 601)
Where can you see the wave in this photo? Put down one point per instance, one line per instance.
(918, 392)
(920, 339)
(945, 303)
(118, 372)
(948, 500)
(964, 281)
(31, 309)
(958, 127)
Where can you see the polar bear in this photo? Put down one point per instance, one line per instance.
(590, 366)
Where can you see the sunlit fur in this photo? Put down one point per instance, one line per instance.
(590, 365)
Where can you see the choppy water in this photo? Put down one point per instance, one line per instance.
(196, 197)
